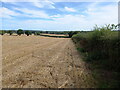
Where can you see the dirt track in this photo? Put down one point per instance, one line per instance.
(42, 62)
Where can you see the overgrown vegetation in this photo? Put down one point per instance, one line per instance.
(101, 44)
(101, 50)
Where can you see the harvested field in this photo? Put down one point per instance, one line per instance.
(43, 62)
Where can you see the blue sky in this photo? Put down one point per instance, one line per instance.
(50, 15)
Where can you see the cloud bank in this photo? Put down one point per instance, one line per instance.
(62, 16)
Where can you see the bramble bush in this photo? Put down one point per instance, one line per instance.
(100, 44)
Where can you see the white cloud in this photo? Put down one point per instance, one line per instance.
(7, 13)
(67, 22)
(102, 15)
(70, 9)
(33, 13)
(56, 16)
(43, 4)
(37, 3)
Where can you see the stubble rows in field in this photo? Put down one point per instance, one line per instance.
(40, 62)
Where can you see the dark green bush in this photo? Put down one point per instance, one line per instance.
(20, 31)
(28, 33)
(71, 33)
(10, 32)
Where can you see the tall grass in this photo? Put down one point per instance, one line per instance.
(102, 44)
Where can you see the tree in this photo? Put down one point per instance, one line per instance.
(118, 26)
(33, 32)
(71, 33)
(10, 32)
(37, 33)
(20, 31)
(46, 32)
(28, 33)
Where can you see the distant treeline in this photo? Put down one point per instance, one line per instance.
(2, 32)
(30, 32)
(40, 32)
